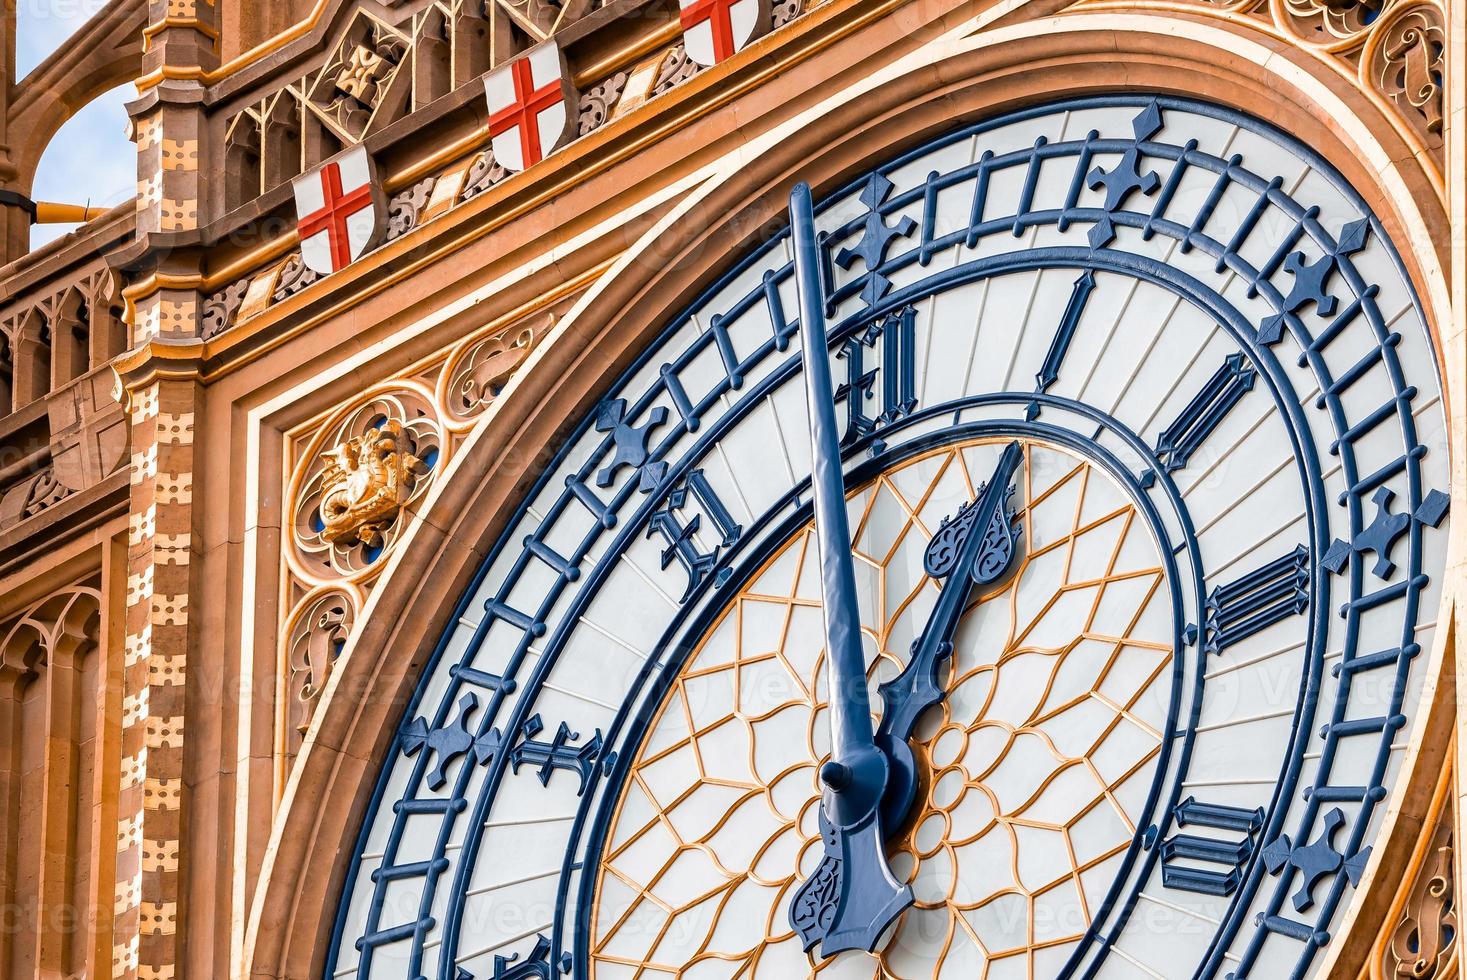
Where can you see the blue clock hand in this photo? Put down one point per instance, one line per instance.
(852, 896)
(976, 547)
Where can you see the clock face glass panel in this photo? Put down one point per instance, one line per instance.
(1167, 737)
(1037, 768)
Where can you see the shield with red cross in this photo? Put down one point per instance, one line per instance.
(339, 211)
(714, 30)
(531, 107)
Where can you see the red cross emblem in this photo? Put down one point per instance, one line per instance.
(338, 212)
(715, 30)
(528, 99)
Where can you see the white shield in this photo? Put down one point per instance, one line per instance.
(716, 30)
(339, 211)
(529, 100)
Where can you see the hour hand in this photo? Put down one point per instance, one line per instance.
(976, 547)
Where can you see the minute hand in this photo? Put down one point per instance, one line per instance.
(983, 555)
(852, 896)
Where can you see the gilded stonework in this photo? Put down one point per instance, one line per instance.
(357, 479)
(358, 476)
(365, 483)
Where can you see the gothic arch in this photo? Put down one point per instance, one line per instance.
(105, 53)
(956, 78)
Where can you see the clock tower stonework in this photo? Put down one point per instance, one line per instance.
(629, 488)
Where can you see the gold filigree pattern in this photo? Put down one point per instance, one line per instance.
(361, 471)
(366, 481)
(356, 476)
(1036, 766)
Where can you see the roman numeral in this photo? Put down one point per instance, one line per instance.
(1203, 414)
(1063, 335)
(679, 534)
(535, 966)
(897, 373)
(1185, 857)
(1264, 596)
(558, 753)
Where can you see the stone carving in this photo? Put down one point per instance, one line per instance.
(354, 478)
(407, 206)
(484, 368)
(484, 173)
(1395, 49)
(363, 71)
(785, 11)
(365, 483)
(598, 101)
(542, 18)
(220, 308)
(31, 496)
(1329, 21)
(1407, 59)
(1423, 944)
(359, 77)
(317, 637)
(57, 627)
(676, 68)
(84, 307)
(88, 430)
(294, 277)
(388, 61)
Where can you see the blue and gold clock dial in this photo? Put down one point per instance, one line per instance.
(1036, 772)
(1165, 735)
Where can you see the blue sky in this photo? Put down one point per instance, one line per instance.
(90, 159)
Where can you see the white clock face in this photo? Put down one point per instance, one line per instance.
(1036, 770)
(1165, 740)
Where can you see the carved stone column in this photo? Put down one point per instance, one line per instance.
(62, 838)
(150, 796)
(41, 657)
(162, 395)
(12, 676)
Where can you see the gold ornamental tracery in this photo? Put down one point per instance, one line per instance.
(1036, 764)
(356, 477)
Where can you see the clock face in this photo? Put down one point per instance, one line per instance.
(1036, 771)
(1164, 738)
